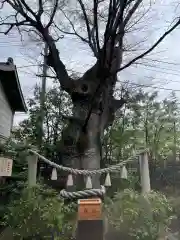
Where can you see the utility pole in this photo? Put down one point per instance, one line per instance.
(40, 132)
(175, 141)
(42, 97)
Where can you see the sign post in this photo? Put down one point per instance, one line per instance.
(5, 167)
(90, 221)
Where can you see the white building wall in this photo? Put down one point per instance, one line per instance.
(6, 115)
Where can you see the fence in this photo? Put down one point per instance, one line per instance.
(89, 209)
(84, 226)
(142, 156)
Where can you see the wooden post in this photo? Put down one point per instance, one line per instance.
(144, 172)
(90, 220)
(32, 170)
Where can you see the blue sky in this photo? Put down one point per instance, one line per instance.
(163, 73)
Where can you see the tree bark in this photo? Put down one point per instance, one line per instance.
(81, 145)
(81, 149)
(94, 109)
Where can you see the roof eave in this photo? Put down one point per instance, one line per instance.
(12, 68)
(25, 109)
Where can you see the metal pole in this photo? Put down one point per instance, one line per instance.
(42, 97)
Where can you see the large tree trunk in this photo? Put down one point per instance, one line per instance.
(93, 110)
(81, 147)
(91, 158)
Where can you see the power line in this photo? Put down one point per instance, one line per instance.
(39, 65)
(148, 59)
(169, 89)
(147, 86)
(32, 65)
(154, 70)
(158, 67)
(154, 78)
(162, 61)
(145, 65)
(136, 84)
(32, 74)
(175, 74)
(163, 79)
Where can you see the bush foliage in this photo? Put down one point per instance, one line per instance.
(139, 217)
(40, 213)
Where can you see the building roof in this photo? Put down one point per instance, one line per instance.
(11, 85)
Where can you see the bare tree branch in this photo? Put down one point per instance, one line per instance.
(136, 21)
(41, 10)
(96, 24)
(118, 18)
(23, 2)
(152, 48)
(47, 76)
(108, 21)
(92, 43)
(11, 25)
(23, 9)
(53, 13)
(73, 28)
(130, 1)
(86, 22)
(114, 33)
(132, 11)
(17, 6)
(2, 4)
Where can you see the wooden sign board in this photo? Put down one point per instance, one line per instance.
(90, 209)
(5, 167)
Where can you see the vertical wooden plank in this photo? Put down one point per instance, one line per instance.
(32, 170)
(90, 230)
(144, 172)
(90, 220)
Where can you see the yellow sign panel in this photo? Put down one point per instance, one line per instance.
(89, 209)
(5, 167)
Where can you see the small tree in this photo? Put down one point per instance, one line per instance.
(147, 122)
(57, 106)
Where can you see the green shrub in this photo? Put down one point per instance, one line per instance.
(39, 212)
(137, 216)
